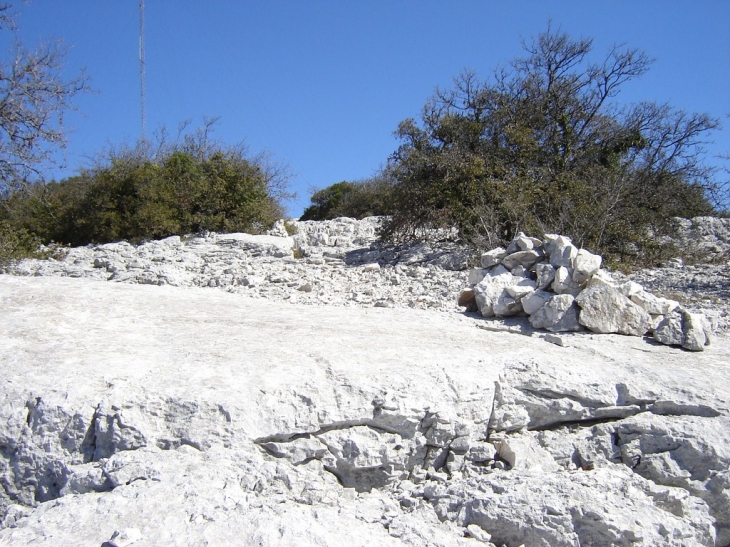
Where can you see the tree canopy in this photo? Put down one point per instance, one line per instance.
(543, 146)
(360, 199)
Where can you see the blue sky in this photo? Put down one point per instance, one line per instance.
(322, 85)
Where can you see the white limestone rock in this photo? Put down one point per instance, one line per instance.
(123, 406)
(522, 242)
(564, 283)
(681, 328)
(523, 452)
(476, 275)
(586, 264)
(605, 310)
(545, 274)
(563, 253)
(493, 257)
(601, 278)
(526, 259)
(535, 300)
(653, 305)
(573, 510)
(559, 314)
(491, 289)
(506, 305)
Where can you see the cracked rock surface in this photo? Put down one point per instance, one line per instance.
(147, 415)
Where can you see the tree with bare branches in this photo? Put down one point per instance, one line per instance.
(34, 96)
(543, 146)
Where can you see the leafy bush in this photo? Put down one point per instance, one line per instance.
(541, 148)
(150, 192)
(16, 243)
(369, 197)
(325, 201)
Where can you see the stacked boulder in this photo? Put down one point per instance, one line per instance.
(562, 288)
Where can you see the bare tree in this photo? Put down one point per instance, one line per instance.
(34, 96)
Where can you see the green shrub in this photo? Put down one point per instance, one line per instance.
(150, 192)
(325, 201)
(17, 243)
(369, 197)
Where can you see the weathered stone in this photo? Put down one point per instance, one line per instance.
(599, 279)
(489, 291)
(586, 264)
(559, 314)
(548, 243)
(476, 275)
(520, 271)
(697, 332)
(639, 433)
(563, 253)
(493, 257)
(554, 339)
(606, 310)
(506, 305)
(563, 282)
(523, 452)
(520, 291)
(685, 329)
(545, 275)
(653, 304)
(535, 300)
(630, 288)
(522, 242)
(526, 259)
(669, 331)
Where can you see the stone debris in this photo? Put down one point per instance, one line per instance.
(341, 263)
(335, 263)
(563, 289)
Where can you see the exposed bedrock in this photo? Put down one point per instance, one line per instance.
(154, 415)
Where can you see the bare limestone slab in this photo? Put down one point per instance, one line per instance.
(166, 416)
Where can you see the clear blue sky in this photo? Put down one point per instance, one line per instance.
(322, 85)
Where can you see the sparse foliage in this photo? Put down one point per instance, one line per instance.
(34, 96)
(542, 147)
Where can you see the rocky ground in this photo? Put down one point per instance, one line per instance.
(340, 263)
(364, 408)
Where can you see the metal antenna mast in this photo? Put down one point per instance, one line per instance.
(142, 71)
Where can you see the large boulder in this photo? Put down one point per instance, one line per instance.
(605, 310)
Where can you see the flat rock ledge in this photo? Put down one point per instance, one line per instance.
(147, 415)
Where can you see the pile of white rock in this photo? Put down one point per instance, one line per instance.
(563, 289)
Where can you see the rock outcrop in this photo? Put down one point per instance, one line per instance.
(140, 415)
(229, 420)
(336, 262)
(563, 289)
